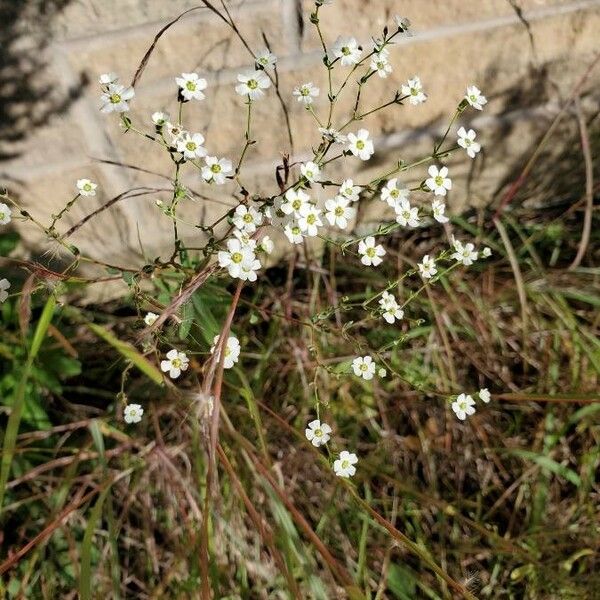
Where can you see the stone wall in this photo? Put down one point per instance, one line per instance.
(524, 54)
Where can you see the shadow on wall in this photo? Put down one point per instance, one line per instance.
(28, 96)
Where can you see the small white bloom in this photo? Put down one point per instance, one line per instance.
(381, 64)
(370, 252)
(250, 270)
(150, 318)
(438, 209)
(160, 118)
(86, 187)
(317, 433)
(306, 93)
(252, 84)
(486, 252)
(347, 50)
(338, 211)
(391, 308)
(344, 465)
(309, 221)
(247, 218)
(190, 145)
(360, 145)
(407, 214)
(175, 131)
(392, 193)
(216, 169)
(265, 58)
(382, 373)
(310, 170)
(333, 135)
(484, 395)
(175, 363)
(438, 182)
(427, 267)
(5, 213)
(402, 23)
(133, 413)
(232, 351)
(363, 366)
(466, 254)
(463, 406)
(293, 232)
(266, 245)
(115, 98)
(245, 239)
(466, 140)
(475, 98)
(294, 201)
(414, 90)
(349, 190)
(4, 287)
(107, 78)
(236, 257)
(191, 86)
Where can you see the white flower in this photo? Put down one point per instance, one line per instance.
(347, 50)
(333, 135)
(294, 201)
(252, 84)
(306, 93)
(265, 58)
(107, 78)
(86, 187)
(160, 118)
(465, 254)
(466, 140)
(344, 465)
(475, 98)
(4, 287)
(407, 214)
(381, 64)
(5, 213)
(250, 269)
(382, 373)
(427, 267)
(363, 366)
(236, 257)
(266, 245)
(414, 90)
(439, 182)
(245, 238)
(115, 98)
(360, 145)
(463, 406)
(175, 363)
(402, 23)
(310, 170)
(293, 232)
(150, 318)
(486, 252)
(439, 208)
(247, 218)
(190, 145)
(391, 308)
(338, 211)
(484, 394)
(216, 169)
(392, 194)
(191, 86)
(308, 220)
(349, 190)
(232, 350)
(175, 131)
(317, 433)
(370, 253)
(133, 413)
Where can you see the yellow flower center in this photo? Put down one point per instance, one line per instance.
(191, 86)
(216, 168)
(115, 98)
(360, 144)
(252, 84)
(237, 257)
(370, 252)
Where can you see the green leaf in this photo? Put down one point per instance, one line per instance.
(401, 582)
(129, 352)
